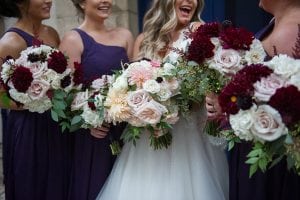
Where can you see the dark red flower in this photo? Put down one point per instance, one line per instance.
(237, 93)
(57, 62)
(66, 81)
(78, 74)
(236, 38)
(209, 29)
(91, 103)
(287, 102)
(201, 48)
(21, 78)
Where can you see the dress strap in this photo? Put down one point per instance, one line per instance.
(87, 40)
(26, 36)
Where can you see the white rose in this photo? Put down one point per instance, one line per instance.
(38, 89)
(49, 75)
(267, 124)
(135, 121)
(256, 54)
(216, 42)
(37, 69)
(164, 94)
(284, 65)
(137, 98)
(168, 69)
(80, 100)
(121, 83)
(172, 84)
(295, 80)
(267, 86)
(226, 61)
(90, 117)
(241, 124)
(151, 86)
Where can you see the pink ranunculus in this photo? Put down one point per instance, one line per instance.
(138, 98)
(150, 113)
(267, 124)
(266, 87)
(38, 89)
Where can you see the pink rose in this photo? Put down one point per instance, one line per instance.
(38, 89)
(172, 118)
(80, 100)
(267, 124)
(138, 98)
(150, 112)
(155, 63)
(226, 61)
(266, 87)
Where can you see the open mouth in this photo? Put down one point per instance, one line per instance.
(186, 10)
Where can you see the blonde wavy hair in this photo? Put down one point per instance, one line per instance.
(159, 22)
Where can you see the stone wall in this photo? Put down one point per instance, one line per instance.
(64, 16)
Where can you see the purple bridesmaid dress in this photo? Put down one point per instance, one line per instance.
(37, 155)
(93, 160)
(276, 184)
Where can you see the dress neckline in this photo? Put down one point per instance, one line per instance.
(101, 44)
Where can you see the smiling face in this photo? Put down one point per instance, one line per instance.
(100, 9)
(185, 10)
(36, 9)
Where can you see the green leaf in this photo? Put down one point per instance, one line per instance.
(60, 105)
(262, 164)
(54, 115)
(252, 160)
(255, 152)
(76, 120)
(231, 145)
(253, 169)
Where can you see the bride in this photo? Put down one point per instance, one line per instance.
(191, 168)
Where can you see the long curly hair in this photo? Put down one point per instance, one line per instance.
(159, 22)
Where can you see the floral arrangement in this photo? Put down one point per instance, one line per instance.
(263, 105)
(31, 79)
(76, 108)
(216, 52)
(143, 95)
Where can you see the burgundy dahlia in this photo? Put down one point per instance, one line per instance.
(209, 29)
(287, 101)
(78, 74)
(236, 38)
(21, 78)
(57, 62)
(201, 48)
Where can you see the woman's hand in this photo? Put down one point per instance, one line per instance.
(213, 108)
(100, 132)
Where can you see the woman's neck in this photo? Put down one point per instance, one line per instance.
(92, 25)
(286, 12)
(30, 26)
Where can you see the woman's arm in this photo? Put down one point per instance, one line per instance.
(136, 47)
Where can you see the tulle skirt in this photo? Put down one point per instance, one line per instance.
(190, 169)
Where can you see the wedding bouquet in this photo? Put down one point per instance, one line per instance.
(31, 79)
(263, 105)
(216, 52)
(143, 96)
(82, 105)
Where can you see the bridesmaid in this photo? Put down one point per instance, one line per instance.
(277, 183)
(100, 50)
(36, 154)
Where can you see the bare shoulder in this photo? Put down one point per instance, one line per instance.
(49, 33)
(196, 25)
(123, 32)
(285, 37)
(11, 44)
(71, 40)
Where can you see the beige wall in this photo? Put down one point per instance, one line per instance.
(64, 16)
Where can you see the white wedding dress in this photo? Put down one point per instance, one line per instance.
(190, 169)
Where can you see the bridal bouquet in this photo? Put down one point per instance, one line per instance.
(143, 96)
(263, 105)
(31, 79)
